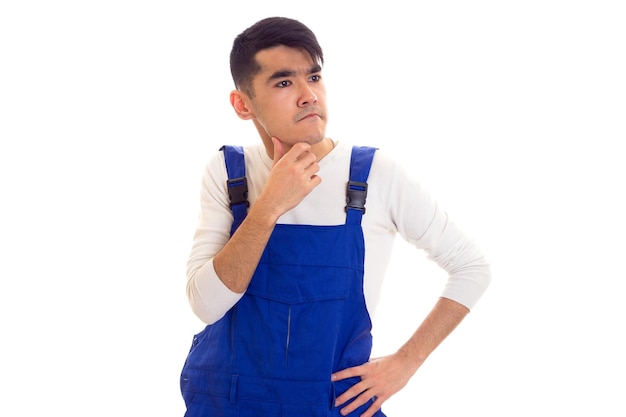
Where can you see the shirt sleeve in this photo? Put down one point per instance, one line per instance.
(209, 298)
(419, 219)
(469, 273)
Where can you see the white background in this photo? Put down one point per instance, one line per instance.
(513, 113)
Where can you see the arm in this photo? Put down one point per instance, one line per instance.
(440, 322)
(383, 377)
(220, 266)
(292, 178)
(408, 208)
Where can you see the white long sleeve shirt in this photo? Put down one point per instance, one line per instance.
(396, 204)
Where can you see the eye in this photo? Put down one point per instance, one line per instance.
(315, 78)
(283, 84)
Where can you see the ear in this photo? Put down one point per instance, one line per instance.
(241, 104)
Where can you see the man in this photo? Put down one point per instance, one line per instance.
(292, 244)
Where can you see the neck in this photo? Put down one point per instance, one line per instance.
(323, 148)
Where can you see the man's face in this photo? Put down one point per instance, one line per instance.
(289, 100)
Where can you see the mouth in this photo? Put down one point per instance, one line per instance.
(309, 116)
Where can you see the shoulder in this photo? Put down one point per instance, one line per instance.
(385, 165)
(253, 154)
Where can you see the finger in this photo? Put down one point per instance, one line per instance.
(376, 405)
(368, 413)
(358, 402)
(279, 151)
(300, 152)
(353, 392)
(347, 373)
(311, 166)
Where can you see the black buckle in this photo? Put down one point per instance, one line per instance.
(238, 191)
(356, 194)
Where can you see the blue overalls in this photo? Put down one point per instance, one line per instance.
(302, 317)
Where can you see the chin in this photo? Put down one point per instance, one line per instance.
(310, 136)
(310, 139)
(315, 140)
(316, 137)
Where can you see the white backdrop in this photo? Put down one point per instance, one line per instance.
(513, 113)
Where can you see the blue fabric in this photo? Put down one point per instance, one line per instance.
(236, 169)
(360, 163)
(302, 318)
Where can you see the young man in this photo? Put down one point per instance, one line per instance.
(293, 241)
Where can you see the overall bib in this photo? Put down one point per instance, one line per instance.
(302, 318)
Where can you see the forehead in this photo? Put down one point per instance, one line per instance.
(285, 59)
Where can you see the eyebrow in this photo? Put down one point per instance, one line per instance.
(290, 73)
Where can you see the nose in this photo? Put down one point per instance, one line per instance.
(307, 97)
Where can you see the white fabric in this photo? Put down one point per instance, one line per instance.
(396, 204)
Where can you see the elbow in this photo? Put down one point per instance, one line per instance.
(208, 297)
(467, 285)
(199, 305)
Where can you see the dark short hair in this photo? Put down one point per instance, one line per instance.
(264, 34)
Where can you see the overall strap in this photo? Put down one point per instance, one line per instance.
(237, 184)
(356, 192)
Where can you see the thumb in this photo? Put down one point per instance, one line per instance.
(279, 151)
